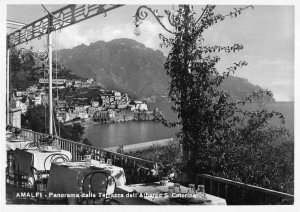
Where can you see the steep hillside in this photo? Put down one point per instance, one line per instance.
(129, 66)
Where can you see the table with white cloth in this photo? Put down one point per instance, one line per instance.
(13, 144)
(156, 194)
(35, 158)
(66, 177)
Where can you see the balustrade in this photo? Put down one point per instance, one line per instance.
(137, 171)
(130, 164)
(237, 193)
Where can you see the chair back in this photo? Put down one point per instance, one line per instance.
(35, 174)
(23, 161)
(39, 182)
(98, 182)
(53, 158)
(16, 164)
(30, 145)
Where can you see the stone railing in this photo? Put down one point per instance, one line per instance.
(237, 193)
(137, 170)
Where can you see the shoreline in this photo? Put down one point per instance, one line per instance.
(122, 117)
(90, 122)
(86, 123)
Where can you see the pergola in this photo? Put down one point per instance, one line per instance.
(54, 21)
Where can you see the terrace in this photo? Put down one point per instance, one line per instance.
(138, 173)
(130, 174)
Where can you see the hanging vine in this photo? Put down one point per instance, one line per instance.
(206, 116)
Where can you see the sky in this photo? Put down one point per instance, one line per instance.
(267, 33)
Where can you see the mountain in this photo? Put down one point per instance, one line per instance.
(239, 87)
(120, 64)
(129, 66)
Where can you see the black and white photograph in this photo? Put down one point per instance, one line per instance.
(183, 103)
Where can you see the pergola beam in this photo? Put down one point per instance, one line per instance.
(64, 17)
(15, 23)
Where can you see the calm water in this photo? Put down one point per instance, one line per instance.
(110, 135)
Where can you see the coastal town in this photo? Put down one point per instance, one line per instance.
(84, 101)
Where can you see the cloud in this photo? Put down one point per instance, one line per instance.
(75, 35)
(70, 37)
(269, 54)
(276, 75)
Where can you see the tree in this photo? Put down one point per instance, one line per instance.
(87, 142)
(36, 119)
(208, 120)
(22, 70)
(265, 158)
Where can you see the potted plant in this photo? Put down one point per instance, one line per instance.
(46, 140)
(18, 133)
(85, 153)
(184, 175)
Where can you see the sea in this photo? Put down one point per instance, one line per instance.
(132, 132)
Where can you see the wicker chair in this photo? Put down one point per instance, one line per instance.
(10, 169)
(30, 145)
(40, 181)
(20, 179)
(53, 158)
(95, 183)
(40, 189)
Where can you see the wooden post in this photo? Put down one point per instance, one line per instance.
(226, 191)
(7, 84)
(50, 29)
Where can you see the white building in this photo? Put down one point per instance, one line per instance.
(83, 115)
(63, 116)
(111, 113)
(90, 80)
(72, 116)
(22, 106)
(79, 109)
(117, 93)
(68, 83)
(140, 106)
(59, 82)
(122, 105)
(20, 93)
(95, 103)
(15, 117)
(37, 100)
(32, 88)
